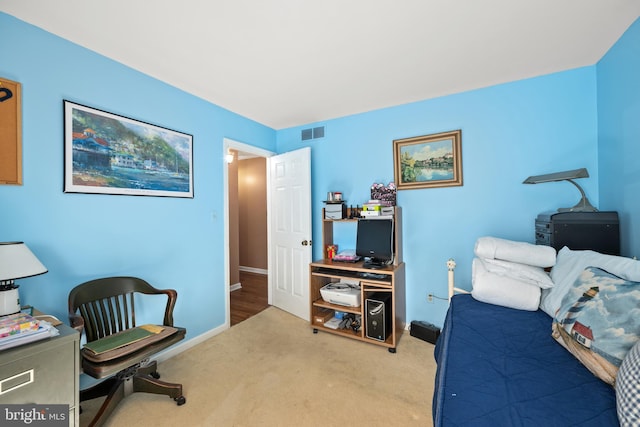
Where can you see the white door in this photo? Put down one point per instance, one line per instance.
(290, 241)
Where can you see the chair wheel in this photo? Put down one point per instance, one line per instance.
(181, 400)
(155, 375)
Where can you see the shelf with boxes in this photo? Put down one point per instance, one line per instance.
(328, 229)
(339, 210)
(378, 314)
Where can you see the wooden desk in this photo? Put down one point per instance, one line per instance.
(392, 281)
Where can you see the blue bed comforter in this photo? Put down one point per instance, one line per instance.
(500, 367)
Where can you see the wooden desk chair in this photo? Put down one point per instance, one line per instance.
(104, 309)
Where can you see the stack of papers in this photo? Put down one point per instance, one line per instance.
(36, 330)
(333, 323)
(14, 324)
(348, 255)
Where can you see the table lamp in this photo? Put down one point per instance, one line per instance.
(583, 205)
(16, 262)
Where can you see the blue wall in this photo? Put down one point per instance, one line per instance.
(619, 135)
(171, 242)
(509, 132)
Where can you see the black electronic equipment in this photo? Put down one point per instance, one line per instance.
(378, 316)
(597, 231)
(374, 241)
(425, 331)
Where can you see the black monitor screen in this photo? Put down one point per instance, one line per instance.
(374, 241)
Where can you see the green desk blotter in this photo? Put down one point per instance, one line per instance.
(122, 338)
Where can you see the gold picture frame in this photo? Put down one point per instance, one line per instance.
(428, 161)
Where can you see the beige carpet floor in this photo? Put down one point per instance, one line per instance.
(272, 370)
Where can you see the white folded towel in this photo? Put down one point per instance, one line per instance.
(520, 252)
(501, 290)
(525, 273)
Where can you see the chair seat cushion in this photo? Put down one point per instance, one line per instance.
(125, 343)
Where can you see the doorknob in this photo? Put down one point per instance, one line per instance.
(306, 243)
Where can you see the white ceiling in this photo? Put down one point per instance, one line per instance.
(292, 62)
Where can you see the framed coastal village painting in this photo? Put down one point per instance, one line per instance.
(105, 153)
(428, 161)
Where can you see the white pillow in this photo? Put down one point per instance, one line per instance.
(501, 290)
(570, 264)
(510, 250)
(525, 273)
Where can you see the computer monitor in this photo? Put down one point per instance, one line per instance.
(374, 241)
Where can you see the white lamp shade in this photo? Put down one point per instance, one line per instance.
(17, 261)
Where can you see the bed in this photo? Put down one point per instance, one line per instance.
(501, 366)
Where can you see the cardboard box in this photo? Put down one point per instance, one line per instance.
(333, 215)
(322, 316)
(371, 207)
(335, 211)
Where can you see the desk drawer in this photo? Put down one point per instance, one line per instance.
(42, 377)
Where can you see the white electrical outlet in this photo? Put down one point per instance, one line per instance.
(430, 298)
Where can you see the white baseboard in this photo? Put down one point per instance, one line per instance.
(186, 345)
(253, 270)
(235, 287)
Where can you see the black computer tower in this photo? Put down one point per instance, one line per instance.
(378, 316)
(597, 231)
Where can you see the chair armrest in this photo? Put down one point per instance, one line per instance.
(77, 322)
(172, 296)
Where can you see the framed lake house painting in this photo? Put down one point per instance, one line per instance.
(105, 153)
(428, 161)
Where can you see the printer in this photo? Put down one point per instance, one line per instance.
(345, 292)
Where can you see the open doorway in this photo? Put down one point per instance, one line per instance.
(248, 222)
(246, 194)
(249, 299)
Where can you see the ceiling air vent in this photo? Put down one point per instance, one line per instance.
(312, 133)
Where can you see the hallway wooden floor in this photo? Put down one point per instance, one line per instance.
(251, 299)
